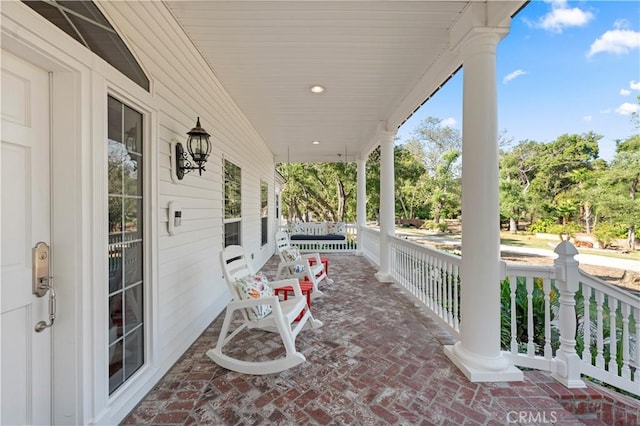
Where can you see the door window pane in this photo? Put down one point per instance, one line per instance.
(125, 250)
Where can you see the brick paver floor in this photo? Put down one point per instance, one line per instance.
(377, 360)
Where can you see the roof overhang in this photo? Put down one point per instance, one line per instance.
(377, 60)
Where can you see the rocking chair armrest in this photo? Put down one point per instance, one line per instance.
(315, 256)
(293, 263)
(249, 303)
(294, 283)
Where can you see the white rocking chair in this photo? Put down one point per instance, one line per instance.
(282, 318)
(293, 264)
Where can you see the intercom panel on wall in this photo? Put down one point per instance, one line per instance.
(175, 218)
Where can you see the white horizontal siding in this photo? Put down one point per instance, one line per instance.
(184, 87)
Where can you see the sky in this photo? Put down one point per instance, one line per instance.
(565, 67)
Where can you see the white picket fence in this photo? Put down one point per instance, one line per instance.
(546, 316)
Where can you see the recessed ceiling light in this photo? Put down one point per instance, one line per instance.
(316, 89)
(316, 142)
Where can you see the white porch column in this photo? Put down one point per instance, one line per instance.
(478, 352)
(361, 202)
(387, 204)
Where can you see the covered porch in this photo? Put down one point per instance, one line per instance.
(250, 71)
(379, 359)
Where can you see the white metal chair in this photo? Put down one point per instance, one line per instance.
(297, 265)
(282, 317)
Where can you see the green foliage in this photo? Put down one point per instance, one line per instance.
(521, 310)
(431, 225)
(427, 174)
(560, 186)
(326, 191)
(542, 226)
(606, 233)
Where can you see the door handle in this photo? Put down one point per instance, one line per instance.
(42, 282)
(46, 285)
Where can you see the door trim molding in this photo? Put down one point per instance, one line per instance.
(80, 80)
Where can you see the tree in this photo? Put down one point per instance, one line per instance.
(620, 183)
(620, 187)
(436, 140)
(517, 169)
(324, 191)
(558, 168)
(410, 179)
(446, 187)
(439, 148)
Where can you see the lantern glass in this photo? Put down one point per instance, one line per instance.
(198, 144)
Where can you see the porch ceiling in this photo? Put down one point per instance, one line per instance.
(378, 60)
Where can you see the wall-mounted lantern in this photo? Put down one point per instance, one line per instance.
(199, 148)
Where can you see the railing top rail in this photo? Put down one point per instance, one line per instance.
(541, 271)
(370, 229)
(447, 257)
(617, 292)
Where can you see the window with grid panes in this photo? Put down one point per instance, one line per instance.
(125, 245)
(232, 204)
(264, 211)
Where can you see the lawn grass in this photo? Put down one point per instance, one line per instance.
(522, 239)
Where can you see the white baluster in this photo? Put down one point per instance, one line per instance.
(425, 278)
(546, 286)
(586, 325)
(449, 285)
(613, 336)
(531, 348)
(456, 309)
(418, 276)
(600, 330)
(626, 310)
(513, 285)
(430, 281)
(438, 287)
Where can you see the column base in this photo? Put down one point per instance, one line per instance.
(496, 370)
(383, 277)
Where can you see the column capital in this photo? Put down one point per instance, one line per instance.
(383, 134)
(479, 18)
(480, 40)
(387, 136)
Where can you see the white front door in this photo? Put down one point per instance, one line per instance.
(25, 372)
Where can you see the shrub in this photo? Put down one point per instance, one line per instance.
(606, 233)
(542, 225)
(430, 224)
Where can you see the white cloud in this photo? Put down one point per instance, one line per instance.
(561, 17)
(587, 118)
(627, 108)
(633, 85)
(625, 92)
(448, 122)
(511, 76)
(617, 41)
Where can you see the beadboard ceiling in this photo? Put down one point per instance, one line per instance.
(378, 60)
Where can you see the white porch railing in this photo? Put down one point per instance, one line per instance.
(348, 245)
(431, 276)
(544, 311)
(370, 244)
